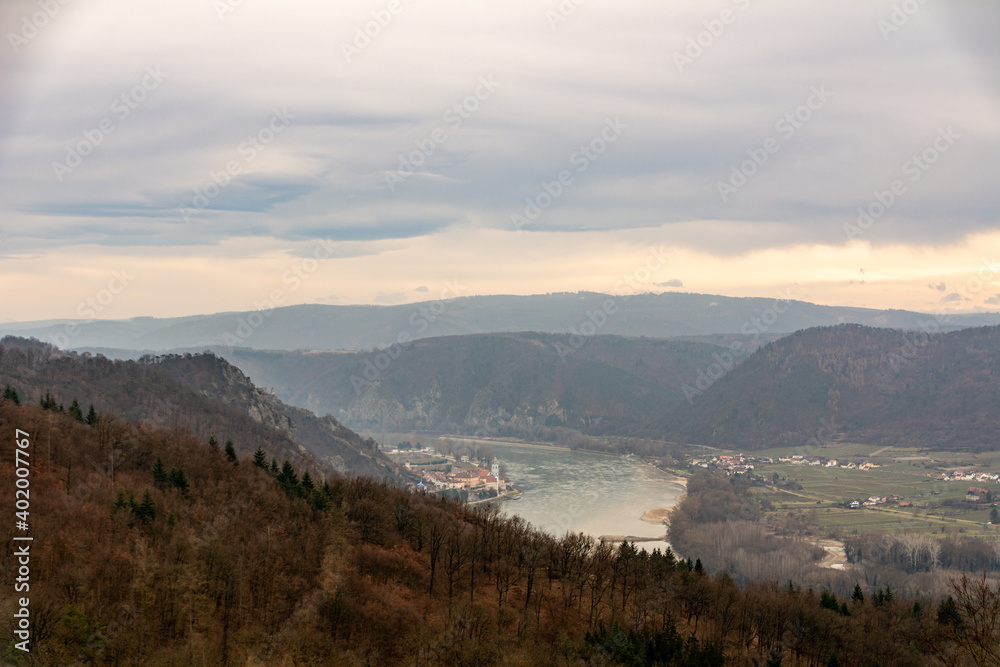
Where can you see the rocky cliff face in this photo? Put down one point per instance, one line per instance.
(199, 392)
(324, 437)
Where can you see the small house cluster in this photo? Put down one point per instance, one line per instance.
(739, 464)
(736, 464)
(799, 460)
(875, 501)
(968, 476)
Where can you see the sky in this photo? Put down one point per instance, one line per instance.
(193, 156)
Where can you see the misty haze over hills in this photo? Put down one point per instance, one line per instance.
(848, 381)
(361, 327)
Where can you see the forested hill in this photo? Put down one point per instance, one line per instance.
(500, 384)
(200, 392)
(233, 565)
(857, 383)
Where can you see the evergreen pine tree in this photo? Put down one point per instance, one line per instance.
(307, 483)
(287, 478)
(212, 442)
(47, 402)
(178, 479)
(858, 595)
(274, 467)
(828, 600)
(11, 395)
(75, 411)
(146, 511)
(231, 453)
(120, 502)
(318, 500)
(698, 567)
(947, 613)
(171, 520)
(91, 415)
(774, 659)
(994, 516)
(160, 477)
(259, 459)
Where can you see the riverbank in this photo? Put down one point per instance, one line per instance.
(510, 494)
(618, 539)
(661, 515)
(509, 441)
(656, 516)
(514, 442)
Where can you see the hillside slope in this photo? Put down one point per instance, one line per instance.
(491, 383)
(199, 392)
(856, 383)
(241, 567)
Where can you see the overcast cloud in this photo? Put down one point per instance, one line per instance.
(213, 141)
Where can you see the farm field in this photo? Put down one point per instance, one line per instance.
(938, 507)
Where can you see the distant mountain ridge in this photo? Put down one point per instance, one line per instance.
(327, 327)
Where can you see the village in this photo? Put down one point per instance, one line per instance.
(472, 476)
(739, 464)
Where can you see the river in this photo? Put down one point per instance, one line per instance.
(596, 494)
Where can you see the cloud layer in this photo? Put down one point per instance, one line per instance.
(196, 131)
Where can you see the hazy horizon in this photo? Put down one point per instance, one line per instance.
(267, 306)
